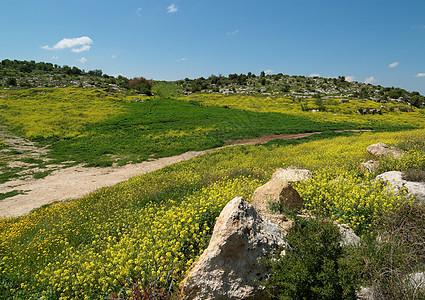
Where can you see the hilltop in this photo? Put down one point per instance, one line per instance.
(31, 74)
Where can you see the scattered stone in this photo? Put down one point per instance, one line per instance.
(395, 179)
(365, 293)
(416, 282)
(291, 174)
(279, 190)
(229, 267)
(370, 166)
(381, 149)
(349, 238)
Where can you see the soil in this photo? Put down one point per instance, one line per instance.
(74, 182)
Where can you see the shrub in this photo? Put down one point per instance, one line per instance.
(313, 266)
(395, 254)
(141, 84)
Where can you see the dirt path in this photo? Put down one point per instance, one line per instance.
(74, 182)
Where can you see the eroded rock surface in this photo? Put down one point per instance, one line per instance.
(395, 179)
(381, 149)
(279, 190)
(229, 268)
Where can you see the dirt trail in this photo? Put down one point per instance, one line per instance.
(74, 182)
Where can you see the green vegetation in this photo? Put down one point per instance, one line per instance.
(10, 194)
(313, 266)
(298, 87)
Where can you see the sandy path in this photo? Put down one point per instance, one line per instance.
(74, 182)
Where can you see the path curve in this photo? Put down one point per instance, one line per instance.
(77, 181)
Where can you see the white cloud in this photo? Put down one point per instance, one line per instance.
(314, 75)
(172, 8)
(139, 12)
(55, 57)
(268, 71)
(370, 80)
(233, 32)
(114, 56)
(394, 64)
(182, 59)
(420, 75)
(82, 49)
(82, 60)
(349, 78)
(77, 45)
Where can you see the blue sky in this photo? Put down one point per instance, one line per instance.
(377, 41)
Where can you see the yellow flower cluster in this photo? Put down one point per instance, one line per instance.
(57, 111)
(348, 199)
(155, 240)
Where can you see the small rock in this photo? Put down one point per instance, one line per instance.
(349, 238)
(291, 174)
(229, 267)
(280, 190)
(416, 281)
(396, 181)
(381, 149)
(365, 293)
(370, 166)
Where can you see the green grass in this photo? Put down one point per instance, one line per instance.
(39, 175)
(10, 194)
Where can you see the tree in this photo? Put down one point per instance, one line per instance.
(11, 81)
(141, 84)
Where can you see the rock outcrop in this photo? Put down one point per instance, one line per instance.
(279, 190)
(380, 149)
(370, 166)
(229, 268)
(395, 179)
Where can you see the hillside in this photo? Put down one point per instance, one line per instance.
(145, 232)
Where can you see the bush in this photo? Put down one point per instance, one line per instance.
(313, 267)
(141, 84)
(11, 81)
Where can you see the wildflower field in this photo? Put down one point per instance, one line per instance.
(153, 226)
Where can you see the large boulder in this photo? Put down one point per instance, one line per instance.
(229, 268)
(279, 190)
(380, 149)
(396, 181)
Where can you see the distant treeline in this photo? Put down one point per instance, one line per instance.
(299, 85)
(32, 74)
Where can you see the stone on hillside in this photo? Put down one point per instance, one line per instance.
(229, 267)
(348, 237)
(369, 166)
(381, 149)
(416, 282)
(291, 174)
(279, 190)
(395, 179)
